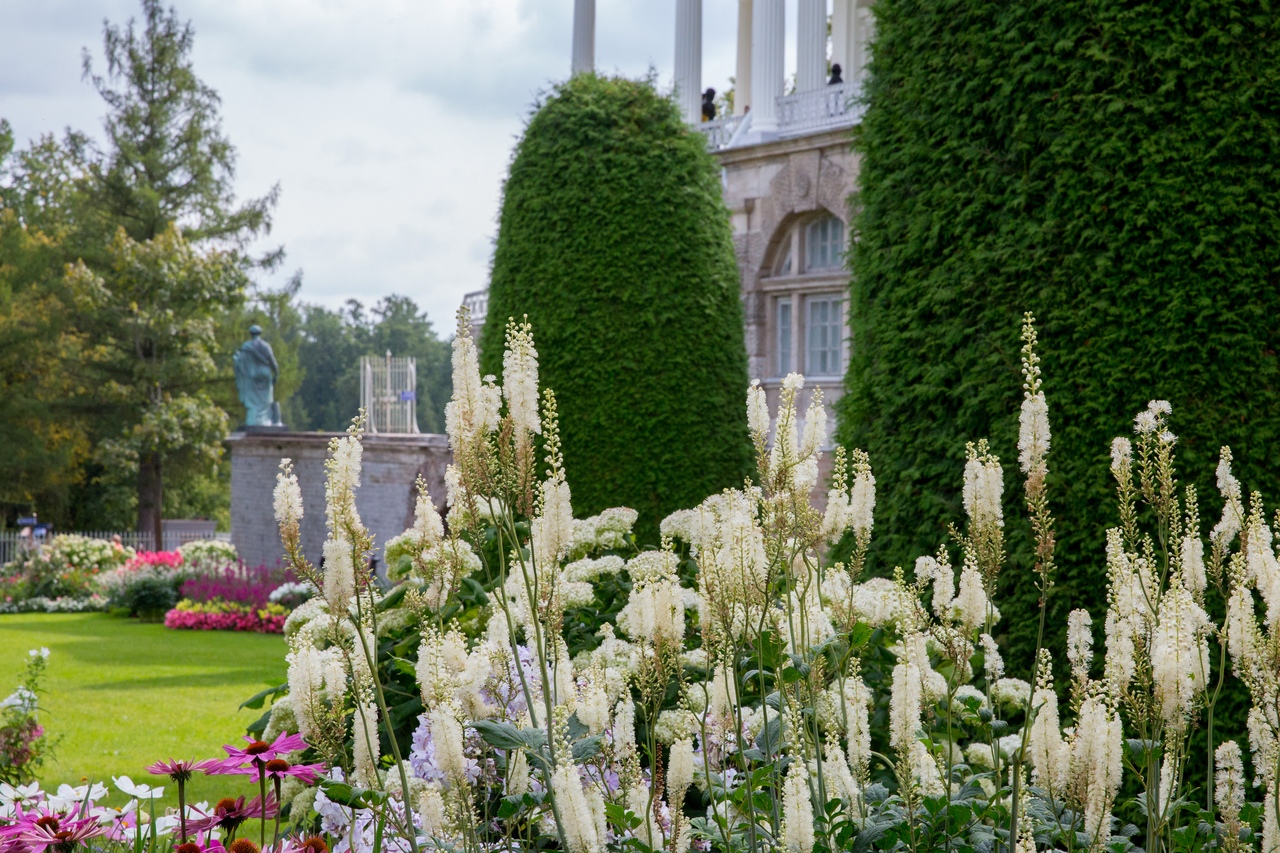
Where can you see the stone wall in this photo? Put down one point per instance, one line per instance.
(385, 499)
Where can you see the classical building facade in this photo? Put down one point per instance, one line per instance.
(788, 173)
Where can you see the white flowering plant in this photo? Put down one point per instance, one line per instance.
(539, 682)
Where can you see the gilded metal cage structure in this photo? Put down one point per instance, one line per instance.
(389, 393)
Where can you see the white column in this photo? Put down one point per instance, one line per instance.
(689, 59)
(768, 56)
(742, 75)
(811, 45)
(584, 37)
(864, 28)
(842, 36)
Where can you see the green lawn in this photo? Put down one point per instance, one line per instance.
(122, 695)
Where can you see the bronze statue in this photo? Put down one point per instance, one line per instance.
(256, 373)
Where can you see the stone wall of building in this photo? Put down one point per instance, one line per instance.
(773, 190)
(385, 499)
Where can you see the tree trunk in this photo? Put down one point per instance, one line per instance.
(151, 499)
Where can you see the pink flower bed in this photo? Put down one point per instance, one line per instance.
(165, 559)
(190, 620)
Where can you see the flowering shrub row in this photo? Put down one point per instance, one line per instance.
(226, 616)
(67, 567)
(754, 693)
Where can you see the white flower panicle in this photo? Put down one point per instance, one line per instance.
(757, 412)
(814, 436)
(930, 571)
(1232, 511)
(1193, 575)
(972, 606)
(797, 810)
(905, 705)
(1121, 457)
(339, 575)
(1096, 765)
(427, 525)
(520, 378)
(1033, 432)
(983, 487)
(679, 771)
(287, 497)
(577, 819)
(1080, 643)
(474, 407)
(365, 745)
(1228, 782)
(862, 495)
(858, 698)
(992, 662)
(1049, 755)
(1179, 655)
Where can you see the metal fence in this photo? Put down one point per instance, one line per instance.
(389, 393)
(12, 541)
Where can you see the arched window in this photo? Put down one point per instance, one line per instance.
(806, 322)
(825, 243)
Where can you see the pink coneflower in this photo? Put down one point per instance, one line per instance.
(180, 772)
(260, 751)
(228, 814)
(278, 769)
(59, 836)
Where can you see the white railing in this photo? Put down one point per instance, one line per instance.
(720, 131)
(12, 541)
(822, 109)
(828, 108)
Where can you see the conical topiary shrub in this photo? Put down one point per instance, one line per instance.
(615, 241)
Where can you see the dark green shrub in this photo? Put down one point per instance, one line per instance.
(149, 598)
(1111, 166)
(615, 241)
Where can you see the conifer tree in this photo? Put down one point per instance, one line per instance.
(615, 242)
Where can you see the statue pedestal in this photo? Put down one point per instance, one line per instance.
(385, 499)
(262, 429)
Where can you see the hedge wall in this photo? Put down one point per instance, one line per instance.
(1111, 165)
(615, 241)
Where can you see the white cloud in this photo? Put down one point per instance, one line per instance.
(389, 126)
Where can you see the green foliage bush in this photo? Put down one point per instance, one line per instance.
(1111, 166)
(615, 241)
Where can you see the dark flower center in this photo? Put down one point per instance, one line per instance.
(187, 848)
(243, 845)
(315, 844)
(226, 804)
(48, 822)
(257, 748)
(277, 765)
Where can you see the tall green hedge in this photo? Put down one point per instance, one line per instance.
(615, 241)
(1111, 165)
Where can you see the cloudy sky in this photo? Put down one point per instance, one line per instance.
(388, 125)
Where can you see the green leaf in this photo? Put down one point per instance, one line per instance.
(257, 700)
(586, 748)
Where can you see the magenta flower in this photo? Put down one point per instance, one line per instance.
(259, 752)
(59, 836)
(228, 814)
(182, 770)
(278, 769)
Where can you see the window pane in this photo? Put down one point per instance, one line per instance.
(823, 337)
(825, 241)
(784, 337)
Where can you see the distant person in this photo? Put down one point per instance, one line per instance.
(116, 542)
(709, 105)
(836, 77)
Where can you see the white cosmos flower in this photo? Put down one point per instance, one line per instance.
(141, 791)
